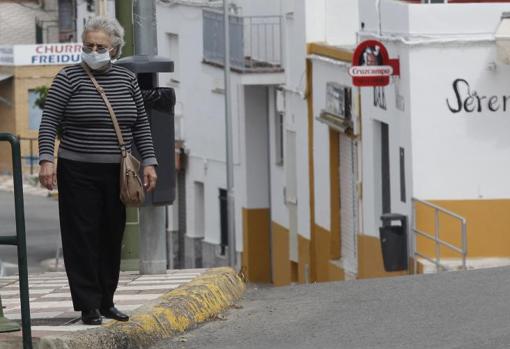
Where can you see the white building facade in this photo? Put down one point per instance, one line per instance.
(270, 126)
(446, 117)
(312, 178)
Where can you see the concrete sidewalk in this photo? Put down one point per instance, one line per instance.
(159, 307)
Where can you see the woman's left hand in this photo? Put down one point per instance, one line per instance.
(149, 178)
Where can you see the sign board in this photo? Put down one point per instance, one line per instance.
(43, 54)
(337, 113)
(338, 100)
(6, 55)
(371, 65)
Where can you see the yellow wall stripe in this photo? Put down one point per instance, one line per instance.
(334, 177)
(256, 249)
(280, 255)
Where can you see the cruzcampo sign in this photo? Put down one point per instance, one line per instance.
(371, 65)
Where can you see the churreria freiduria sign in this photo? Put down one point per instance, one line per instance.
(371, 65)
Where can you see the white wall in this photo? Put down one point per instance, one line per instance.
(201, 101)
(202, 105)
(342, 22)
(259, 8)
(394, 19)
(448, 155)
(256, 147)
(459, 155)
(332, 21)
(470, 18)
(308, 21)
(315, 20)
(82, 14)
(279, 212)
(17, 23)
(296, 116)
(324, 72)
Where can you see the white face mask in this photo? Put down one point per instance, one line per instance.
(96, 60)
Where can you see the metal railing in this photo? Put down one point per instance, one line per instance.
(462, 250)
(19, 240)
(32, 158)
(255, 41)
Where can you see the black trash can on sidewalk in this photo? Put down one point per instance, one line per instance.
(394, 241)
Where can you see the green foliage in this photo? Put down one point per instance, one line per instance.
(42, 92)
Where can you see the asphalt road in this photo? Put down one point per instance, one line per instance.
(42, 228)
(468, 310)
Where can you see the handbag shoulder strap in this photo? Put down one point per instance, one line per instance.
(110, 109)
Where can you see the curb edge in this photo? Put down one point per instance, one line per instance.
(176, 311)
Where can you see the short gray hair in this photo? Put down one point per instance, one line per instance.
(111, 27)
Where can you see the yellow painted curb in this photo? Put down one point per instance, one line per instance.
(176, 311)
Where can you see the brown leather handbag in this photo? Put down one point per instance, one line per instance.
(131, 187)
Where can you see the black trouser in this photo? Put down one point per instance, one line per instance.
(92, 221)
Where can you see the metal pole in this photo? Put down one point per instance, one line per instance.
(22, 245)
(145, 30)
(101, 8)
(415, 255)
(20, 239)
(436, 236)
(229, 150)
(124, 15)
(464, 245)
(131, 240)
(152, 218)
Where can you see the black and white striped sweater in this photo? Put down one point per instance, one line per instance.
(87, 130)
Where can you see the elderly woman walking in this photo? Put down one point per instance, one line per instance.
(92, 217)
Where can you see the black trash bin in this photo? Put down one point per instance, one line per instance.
(159, 104)
(394, 241)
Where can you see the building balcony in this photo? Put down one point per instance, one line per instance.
(255, 42)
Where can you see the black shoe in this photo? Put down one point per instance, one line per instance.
(114, 313)
(91, 317)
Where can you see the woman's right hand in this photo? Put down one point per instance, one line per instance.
(47, 175)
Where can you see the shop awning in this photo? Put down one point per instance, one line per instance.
(336, 122)
(5, 77)
(503, 38)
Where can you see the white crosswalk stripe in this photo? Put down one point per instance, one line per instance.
(50, 296)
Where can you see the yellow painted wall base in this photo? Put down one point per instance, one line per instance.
(322, 246)
(488, 227)
(370, 262)
(336, 273)
(304, 260)
(280, 255)
(293, 271)
(286, 271)
(256, 249)
(15, 118)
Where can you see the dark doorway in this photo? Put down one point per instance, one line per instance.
(385, 168)
(223, 221)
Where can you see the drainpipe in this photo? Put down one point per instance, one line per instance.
(229, 143)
